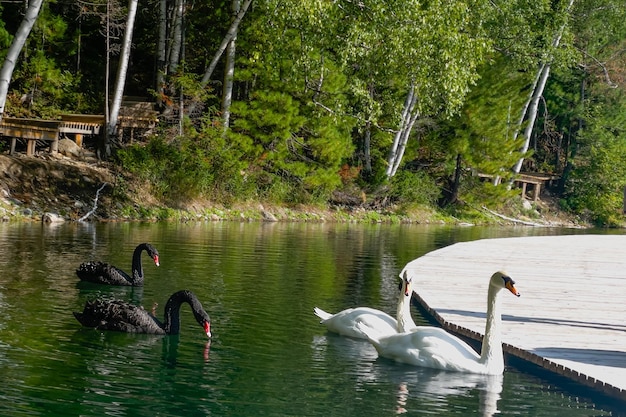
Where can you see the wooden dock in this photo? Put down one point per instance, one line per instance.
(570, 318)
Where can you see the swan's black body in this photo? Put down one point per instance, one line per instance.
(104, 273)
(123, 317)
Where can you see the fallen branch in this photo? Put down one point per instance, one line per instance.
(95, 203)
(512, 219)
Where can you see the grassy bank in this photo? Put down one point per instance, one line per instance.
(68, 188)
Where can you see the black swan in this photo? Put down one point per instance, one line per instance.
(104, 273)
(123, 317)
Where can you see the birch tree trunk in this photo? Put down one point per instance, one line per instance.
(232, 32)
(103, 140)
(542, 77)
(396, 140)
(122, 68)
(409, 117)
(177, 37)
(404, 140)
(227, 92)
(13, 53)
(529, 112)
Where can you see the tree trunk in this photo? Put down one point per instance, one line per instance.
(451, 190)
(529, 113)
(14, 50)
(404, 140)
(454, 195)
(367, 137)
(161, 50)
(409, 117)
(227, 92)
(532, 113)
(367, 143)
(409, 104)
(232, 32)
(177, 37)
(122, 68)
(103, 141)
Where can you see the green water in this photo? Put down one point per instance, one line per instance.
(268, 357)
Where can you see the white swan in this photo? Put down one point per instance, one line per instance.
(433, 347)
(377, 322)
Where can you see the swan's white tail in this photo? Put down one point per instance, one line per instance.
(321, 313)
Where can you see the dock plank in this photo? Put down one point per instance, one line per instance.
(571, 315)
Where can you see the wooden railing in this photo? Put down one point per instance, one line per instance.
(81, 124)
(31, 130)
(135, 113)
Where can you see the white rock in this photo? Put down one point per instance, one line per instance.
(52, 218)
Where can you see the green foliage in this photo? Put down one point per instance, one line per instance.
(313, 78)
(486, 127)
(476, 193)
(414, 187)
(299, 158)
(43, 83)
(5, 37)
(191, 86)
(46, 89)
(523, 30)
(595, 187)
(378, 51)
(198, 165)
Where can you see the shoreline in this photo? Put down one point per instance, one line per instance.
(57, 188)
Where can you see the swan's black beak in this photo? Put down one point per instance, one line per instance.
(510, 285)
(156, 260)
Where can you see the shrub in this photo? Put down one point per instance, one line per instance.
(197, 165)
(414, 187)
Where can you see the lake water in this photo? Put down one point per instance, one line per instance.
(269, 356)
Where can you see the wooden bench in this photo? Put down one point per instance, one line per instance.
(137, 113)
(31, 130)
(536, 179)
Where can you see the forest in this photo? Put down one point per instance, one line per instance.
(365, 103)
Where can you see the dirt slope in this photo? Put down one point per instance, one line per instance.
(30, 186)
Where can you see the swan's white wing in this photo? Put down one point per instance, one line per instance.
(436, 340)
(345, 322)
(430, 347)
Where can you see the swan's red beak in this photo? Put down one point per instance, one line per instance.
(156, 260)
(207, 328)
(511, 287)
(407, 289)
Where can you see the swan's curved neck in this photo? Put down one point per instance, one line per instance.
(171, 323)
(403, 313)
(137, 268)
(491, 354)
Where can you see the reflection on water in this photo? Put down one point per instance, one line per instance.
(416, 389)
(268, 355)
